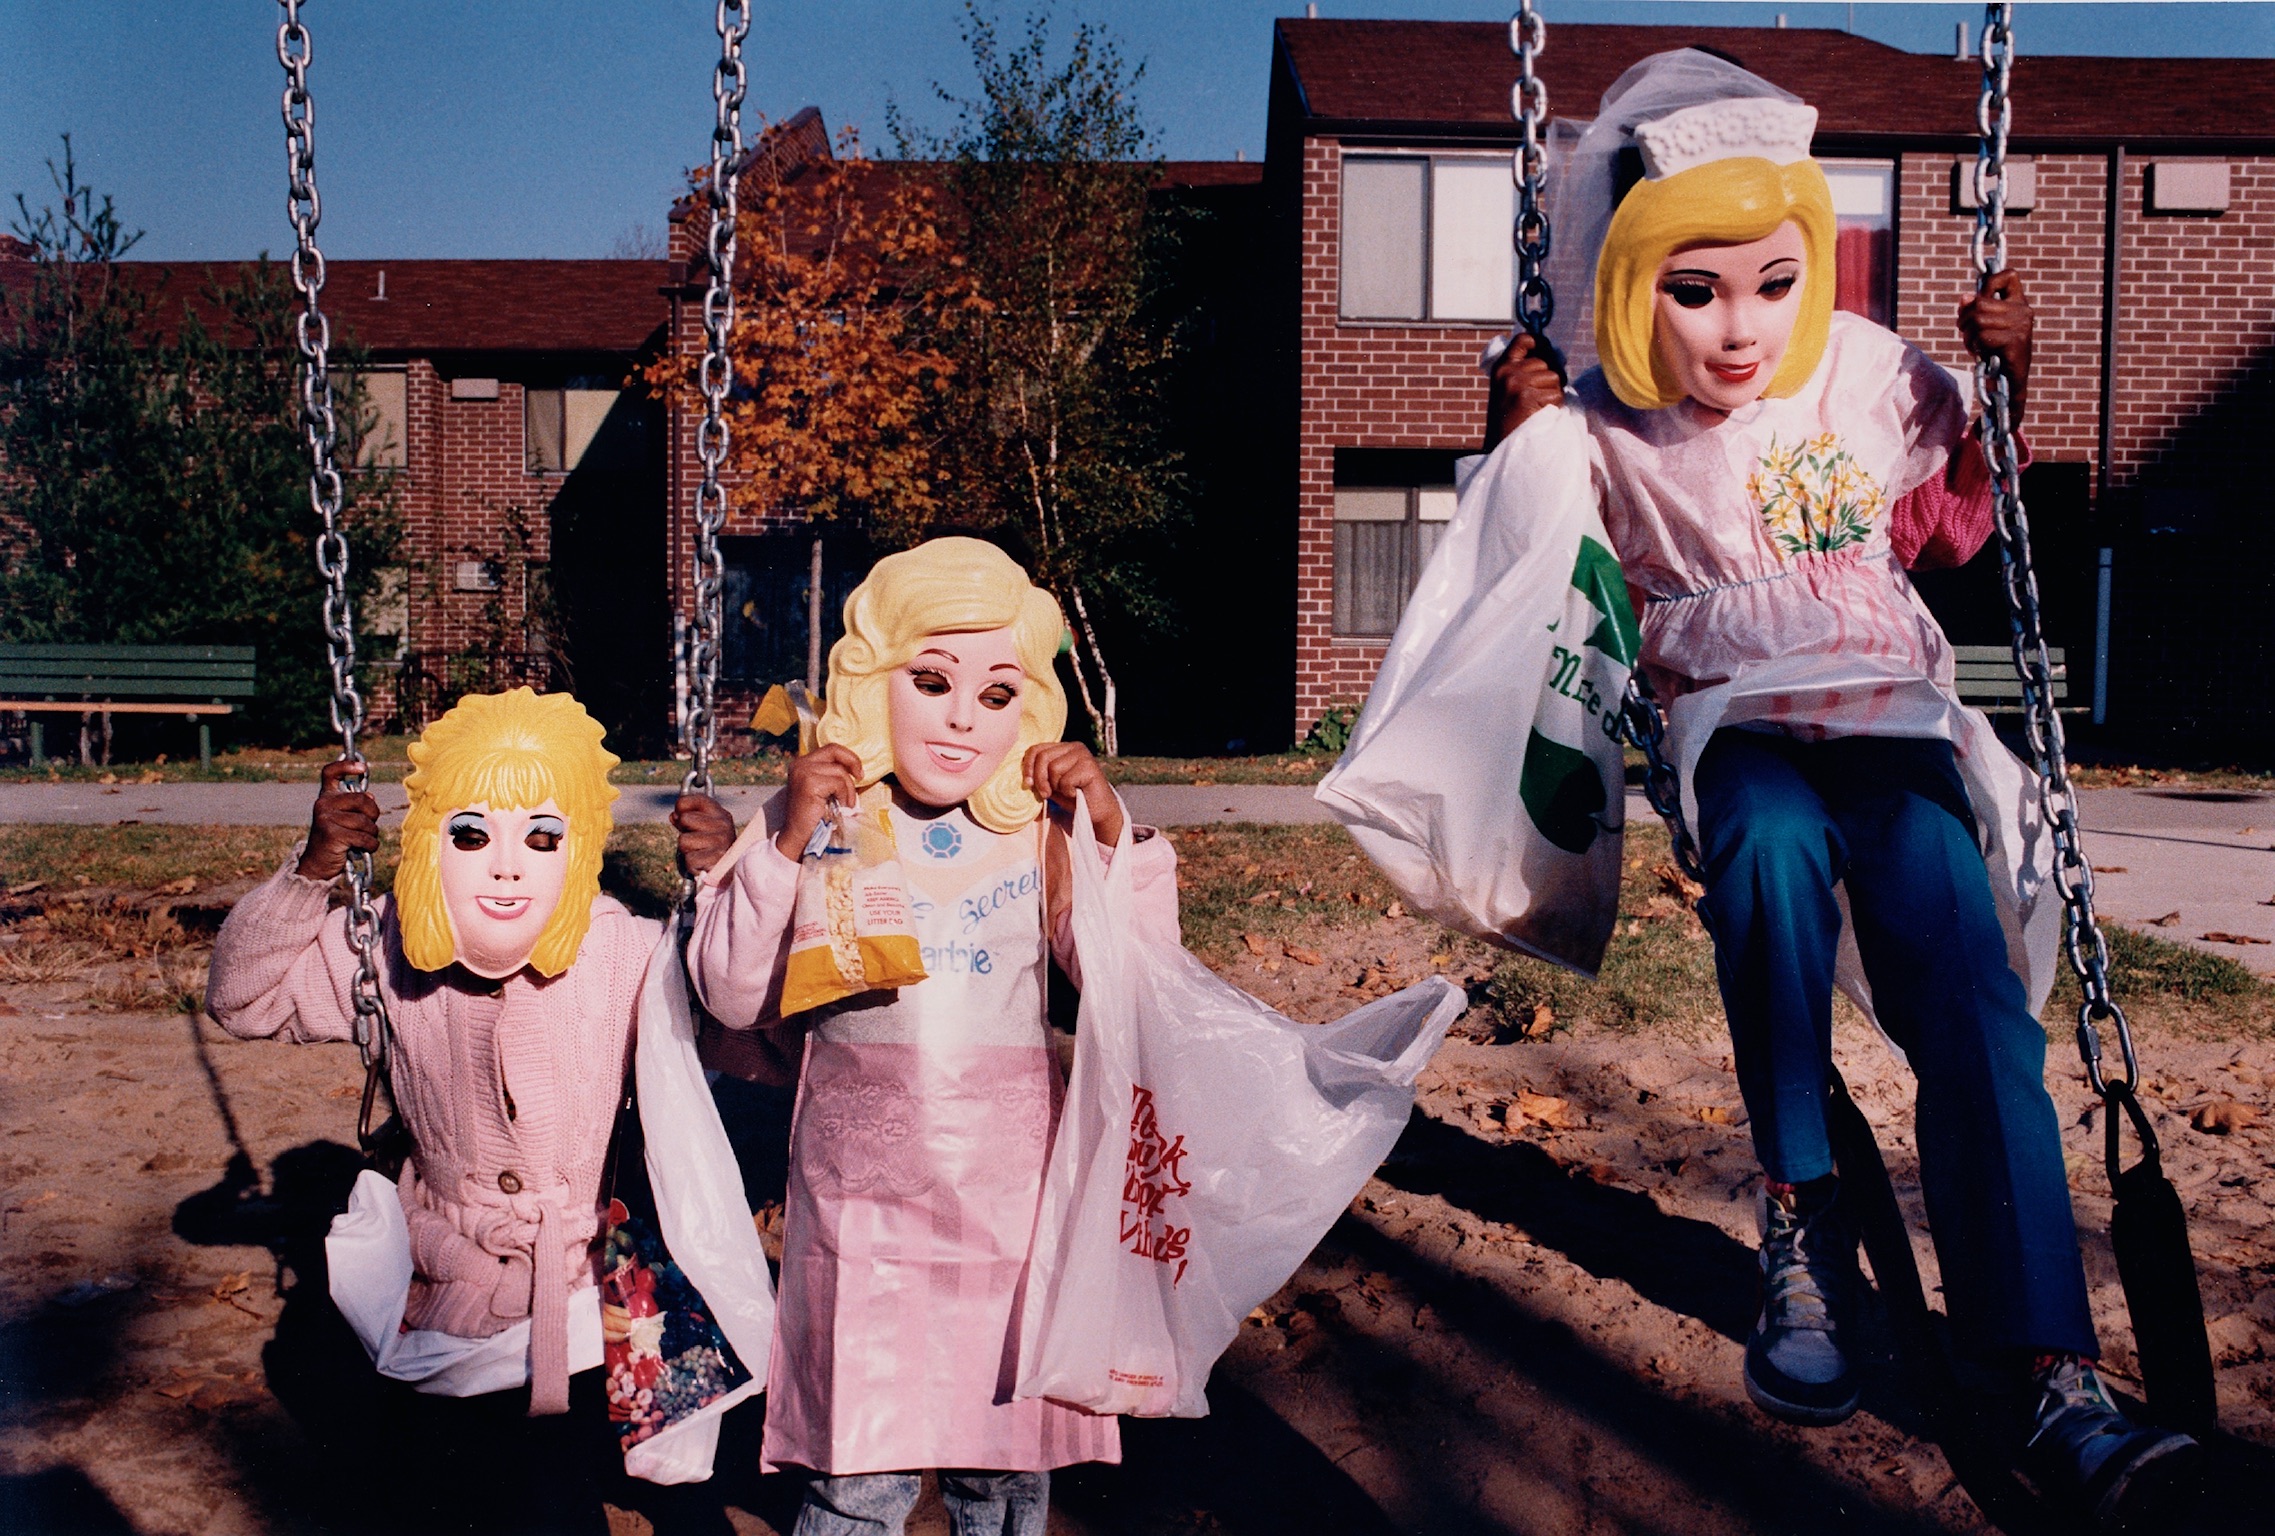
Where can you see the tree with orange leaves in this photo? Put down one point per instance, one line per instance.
(841, 275)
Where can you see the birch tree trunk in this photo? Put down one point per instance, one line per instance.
(814, 619)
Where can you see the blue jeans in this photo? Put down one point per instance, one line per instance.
(1780, 821)
(877, 1503)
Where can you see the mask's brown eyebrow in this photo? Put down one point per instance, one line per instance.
(1779, 261)
(1712, 277)
(1005, 666)
(934, 650)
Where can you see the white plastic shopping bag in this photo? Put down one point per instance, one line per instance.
(1485, 774)
(1206, 1145)
(699, 1204)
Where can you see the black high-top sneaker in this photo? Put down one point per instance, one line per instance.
(1794, 1365)
(2084, 1451)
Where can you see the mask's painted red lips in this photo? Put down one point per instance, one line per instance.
(503, 908)
(1730, 373)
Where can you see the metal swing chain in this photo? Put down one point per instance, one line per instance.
(715, 375)
(319, 427)
(1528, 103)
(2086, 949)
(1643, 727)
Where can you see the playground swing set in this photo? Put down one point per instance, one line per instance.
(2148, 1227)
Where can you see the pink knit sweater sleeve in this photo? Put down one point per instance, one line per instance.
(281, 964)
(1946, 519)
(742, 937)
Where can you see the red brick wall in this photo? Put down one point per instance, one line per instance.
(1365, 385)
(2196, 297)
(462, 495)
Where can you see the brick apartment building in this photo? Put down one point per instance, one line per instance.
(2145, 213)
(1344, 289)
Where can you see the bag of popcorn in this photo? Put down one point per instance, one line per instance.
(850, 931)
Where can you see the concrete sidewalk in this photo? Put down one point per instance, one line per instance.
(2203, 859)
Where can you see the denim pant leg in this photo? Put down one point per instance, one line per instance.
(996, 1503)
(1772, 855)
(858, 1504)
(1927, 929)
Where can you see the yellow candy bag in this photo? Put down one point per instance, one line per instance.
(850, 931)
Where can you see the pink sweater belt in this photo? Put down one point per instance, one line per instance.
(512, 1264)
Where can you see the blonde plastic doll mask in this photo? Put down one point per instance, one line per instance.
(1724, 314)
(946, 676)
(955, 711)
(502, 846)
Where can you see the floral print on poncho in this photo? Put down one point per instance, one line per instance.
(1814, 498)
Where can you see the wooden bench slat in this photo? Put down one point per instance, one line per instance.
(224, 671)
(154, 687)
(29, 651)
(82, 706)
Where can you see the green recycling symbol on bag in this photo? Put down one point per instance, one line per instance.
(1573, 751)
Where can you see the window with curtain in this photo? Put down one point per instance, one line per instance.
(1426, 237)
(1864, 258)
(558, 425)
(1384, 536)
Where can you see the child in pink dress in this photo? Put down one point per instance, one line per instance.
(924, 1114)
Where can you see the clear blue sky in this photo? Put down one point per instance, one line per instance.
(480, 128)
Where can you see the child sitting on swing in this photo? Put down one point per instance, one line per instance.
(924, 1112)
(1768, 468)
(511, 982)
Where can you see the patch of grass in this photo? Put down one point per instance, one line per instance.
(638, 867)
(641, 868)
(65, 857)
(388, 756)
(1658, 970)
(1245, 878)
(2169, 986)
(2135, 776)
(1273, 768)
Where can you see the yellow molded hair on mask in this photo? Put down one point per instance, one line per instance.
(508, 751)
(1723, 202)
(945, 586)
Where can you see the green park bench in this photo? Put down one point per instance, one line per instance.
(195, 681)
(1986, 677)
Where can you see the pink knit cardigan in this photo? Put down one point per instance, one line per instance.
(509, 1092)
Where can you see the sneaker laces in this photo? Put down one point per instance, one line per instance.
(2074, 1407)
(1795, 1276)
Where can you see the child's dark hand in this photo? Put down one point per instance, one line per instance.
(1999, 320)
(342, 823)
(821, 778)
(1057, 770)
(706, 832)
(1528, 378)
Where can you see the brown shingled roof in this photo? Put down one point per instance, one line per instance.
(1453, 78)
(453, 306)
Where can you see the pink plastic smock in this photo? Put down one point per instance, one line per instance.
(1765, 550)
(923, 1123)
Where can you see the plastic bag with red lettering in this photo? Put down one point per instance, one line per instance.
(1206, 1145)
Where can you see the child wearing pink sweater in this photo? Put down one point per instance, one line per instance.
(510, 983)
